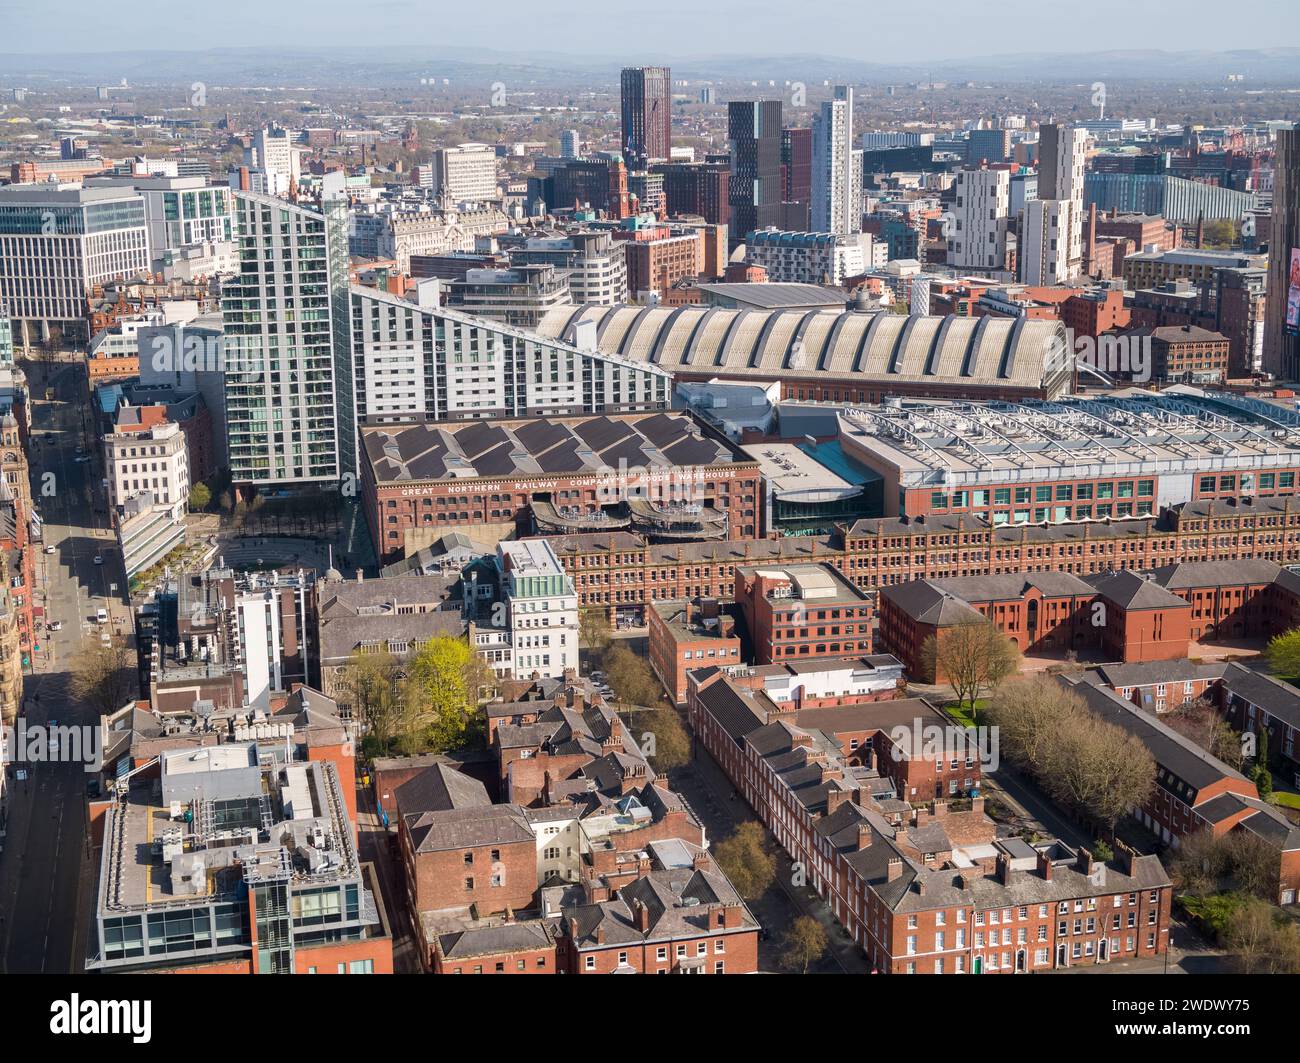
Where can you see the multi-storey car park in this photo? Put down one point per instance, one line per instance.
(1120, 455)
(830, 356)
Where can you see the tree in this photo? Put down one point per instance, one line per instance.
(1254, 864)
(972, 656)
(804, 944)
(629, 677)
(1220, 233)
(1199, 864)
(1099, 769)
(1283, 653)
(746, 861)
(1027, 710)
(671, 744)
(371, 685)
(1263, 775)
(441, 691)
(1200, 721)
(101, 675)
(200, 497)
(593, 629)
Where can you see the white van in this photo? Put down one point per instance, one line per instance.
(101, 616)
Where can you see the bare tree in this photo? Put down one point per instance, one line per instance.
(101, 676)
(1201, 721)
(804, 944)
(972, 657)
(1026, 710)
(1097, 768)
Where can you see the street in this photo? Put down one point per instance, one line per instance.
(41, 926)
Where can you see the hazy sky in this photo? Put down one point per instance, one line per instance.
(939, 29)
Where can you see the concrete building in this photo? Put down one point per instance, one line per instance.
(256, 856)
(465, 174)
(811, 257)
(150, 456)
(518, 296)
(981, 221)
(413, 361)
(180, 212)
(540, 621)
(592, 261)
(56, 245)
(836, 167)
(274, 154)
(1051, 230)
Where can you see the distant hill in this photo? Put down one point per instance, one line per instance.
(402, 65)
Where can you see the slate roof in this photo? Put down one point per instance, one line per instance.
(440, 789)
(1280, 700)
(1216, 573)
(1128, 590)
(569, 446)
(527, 936)
(927, 603)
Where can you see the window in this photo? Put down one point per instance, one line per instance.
(590, 963)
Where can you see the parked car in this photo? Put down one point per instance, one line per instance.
(99, 559)
(51, 549)
(55, 625)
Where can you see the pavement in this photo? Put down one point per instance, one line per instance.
(375, 844)
(45, 863)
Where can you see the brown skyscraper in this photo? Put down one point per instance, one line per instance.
(1282, 318)
(647, 114)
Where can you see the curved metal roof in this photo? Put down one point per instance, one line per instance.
(847, 346)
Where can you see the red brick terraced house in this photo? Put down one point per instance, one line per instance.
(1194, 790)
(934, 891)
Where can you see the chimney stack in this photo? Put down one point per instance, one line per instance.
(1004, 869)
(1044, 866)
(864, 836)
(894, 868)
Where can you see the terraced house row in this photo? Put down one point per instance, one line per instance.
(621, 573)
(921, 890)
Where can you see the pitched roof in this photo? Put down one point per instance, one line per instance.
(1128, 590)
(925, 602)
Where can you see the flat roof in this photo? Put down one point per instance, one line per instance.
(794, 474)
(1148, 433)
